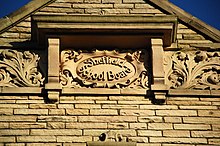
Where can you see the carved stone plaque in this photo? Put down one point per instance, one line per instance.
(103, 69)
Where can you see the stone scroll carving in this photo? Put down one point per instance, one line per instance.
(102, 69)
(193, 70)
(19, 69)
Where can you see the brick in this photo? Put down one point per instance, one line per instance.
(11, 106)
(150, 119)
(93, 11)
(214, 141)
(42, 106)
(109, 106)
(18, 118)
(31, 111)
(123, 6)
(7, 139)
(194, 41)
(149, 133)
(141, 102)
(210, 99)
(205, 134)
(6, 111)
(93, 132)
(81, 6)
(56, 125)
(160, 126)
(29, 101)
(209, 113)
(23, 125)
(56, 111)
(4, 125)
(87, 106)
(66, 106)
(198, 107)
(176, 112)
(111, 1)
(13, 97)
(91, 97)
(173, 119)
(62, 5)
(127, 98)
(36, 139)
(105, 102)
(178, 140)
(145, 11)
(137, 112)
(192, 126)
(117, 125)
(7, 101)
(144, 6)
(156, 107)
(92, 1)
(56, 132)
(74, 139)
(103, 112)
(205, 120)
(15, 144)
(86, 125)
(188, 103)
(133, 1)
(74, 144)
(43, 144)
(176, 133)
(107, 119)
(115, 11)
(10, 132)
(138, 139)
(77, 111)
(216, 127)
(57, 119)
(138, 126)
(127, 132)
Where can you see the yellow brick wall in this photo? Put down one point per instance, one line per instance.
(189, 121)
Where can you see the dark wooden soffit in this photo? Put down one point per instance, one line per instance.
(192, 21)
(22, 13)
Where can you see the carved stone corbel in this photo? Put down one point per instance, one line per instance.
(53, 86)
(158, 86)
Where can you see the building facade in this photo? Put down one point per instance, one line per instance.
(108, 72)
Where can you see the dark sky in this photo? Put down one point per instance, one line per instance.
(206, 10)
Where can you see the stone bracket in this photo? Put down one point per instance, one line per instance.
(53, 86)
(158, 86)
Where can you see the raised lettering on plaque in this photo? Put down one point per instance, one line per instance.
(103, 69)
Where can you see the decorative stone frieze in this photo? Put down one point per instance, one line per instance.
(103, 69)
(19, 69)
(193, 70)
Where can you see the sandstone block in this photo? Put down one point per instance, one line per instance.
(55, 132)
(137, 112)
(161, 126)
(31, 111)
(74, 139)
(103, 112)
(176, 113)
(36, 139)
(86, 125)
(192, 126)
(149, 133)
(77, 111)
(176, 133)
(138, 125)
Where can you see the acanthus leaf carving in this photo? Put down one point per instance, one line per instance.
(105, 69)
(19, 69)
(194, 70)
